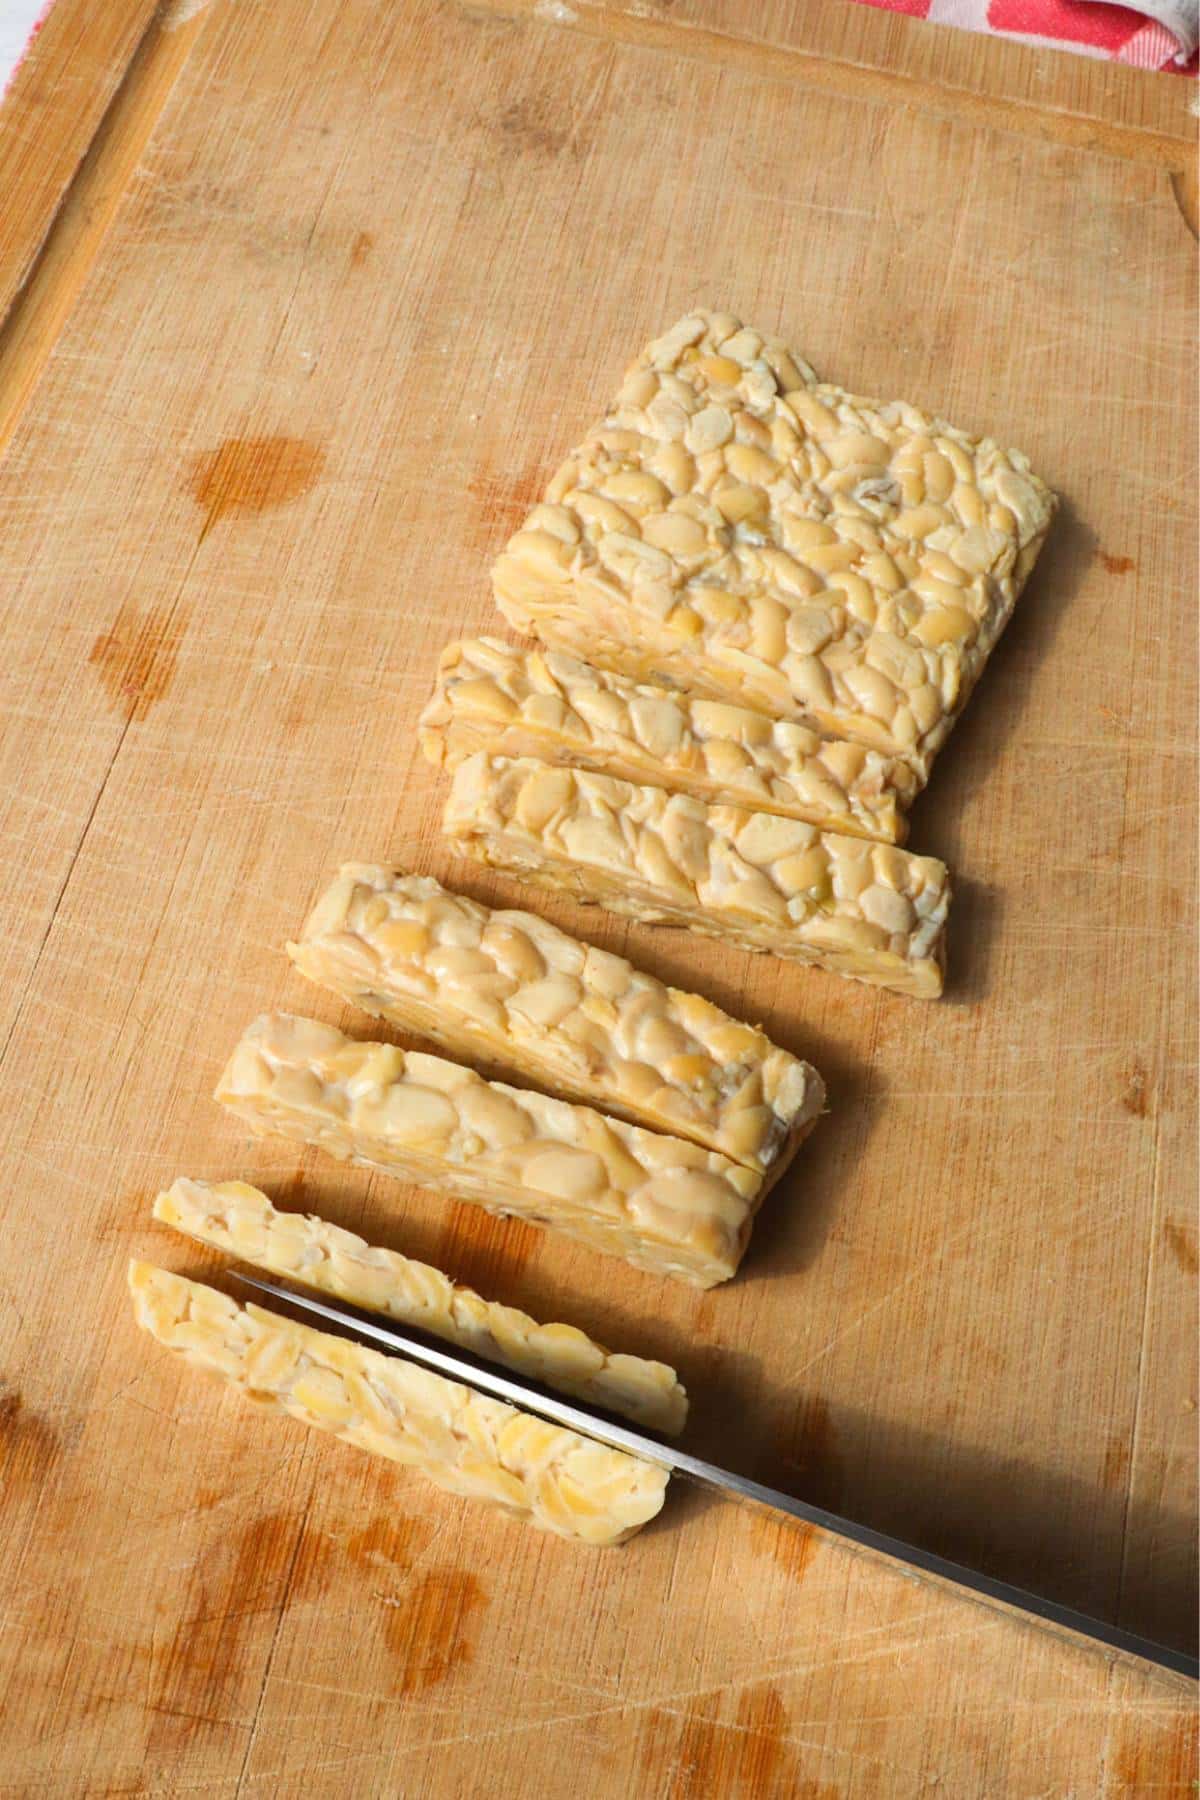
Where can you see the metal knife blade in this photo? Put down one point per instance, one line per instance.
(501, 1384)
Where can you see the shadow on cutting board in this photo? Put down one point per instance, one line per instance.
(1052, 1533)
(998, 710)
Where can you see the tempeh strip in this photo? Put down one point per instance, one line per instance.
(238, 1218)
(865, 910)
(511, 993)
(662, 1203)
(540, 703)
(463, 1441)
(736, 527)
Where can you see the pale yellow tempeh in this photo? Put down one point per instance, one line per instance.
(464, 1441)
(737, 527)
(510, 992)
(540, 703)
(662, 1203)
(232, 1216)
(865, 910)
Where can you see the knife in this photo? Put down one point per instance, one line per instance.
(530, 1397)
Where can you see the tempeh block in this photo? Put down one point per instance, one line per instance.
(463, 1441)
(865, 910)
(513, 994)
(662, 1203)
(233, 1216)
(737, 527)
(541, 703)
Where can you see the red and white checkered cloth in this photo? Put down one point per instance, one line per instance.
(1161, 34)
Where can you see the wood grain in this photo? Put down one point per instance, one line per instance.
(86, 210)
(58, 97)
(872, 53)
(373, 270)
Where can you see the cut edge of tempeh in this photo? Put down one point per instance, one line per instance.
(541, 703)
(463, 1441)
(661, 1203)
(235, 1217)
(511, 993)
(735, 526)
(865, 910)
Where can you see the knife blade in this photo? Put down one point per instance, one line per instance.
(530, 1397)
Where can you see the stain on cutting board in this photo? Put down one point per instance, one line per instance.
(503, 500)
(1134, 1096)
(1182, 1244)
(204, 1677)
(534, 126)
(252, 475)
(813, 1465)
(790, 1542)
(28, 1445)
(1159, 1759)
(693, 1754)
(427, 1626)
(211, 1663)
(1116, 1463)
(135, 658)
(425, 1620)
(391, 1542)
(388, 1546)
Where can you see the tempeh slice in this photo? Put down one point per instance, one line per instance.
(865, 910)
(238, 1218)
(661, 1203)
(737, 527)
(541, 703)
(463, 1441)
(513, 994)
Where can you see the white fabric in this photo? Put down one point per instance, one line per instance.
(1150, 48)
(1180, 17)
(970, 15)
(18, 18)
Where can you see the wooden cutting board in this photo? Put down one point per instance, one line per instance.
(331, 292)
